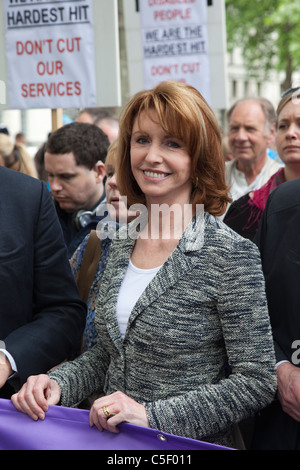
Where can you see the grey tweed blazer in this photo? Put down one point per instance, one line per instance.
(204, 310)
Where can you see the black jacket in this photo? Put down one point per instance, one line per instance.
(41, 315)
(278, 239)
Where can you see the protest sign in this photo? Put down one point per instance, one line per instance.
(50, 53)
(175, 42)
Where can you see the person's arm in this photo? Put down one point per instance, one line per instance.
(58, 319)
(5, 369)
(288, 379)
(69, 384)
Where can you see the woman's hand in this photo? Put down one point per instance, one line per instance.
(36, 394)
(109, 411)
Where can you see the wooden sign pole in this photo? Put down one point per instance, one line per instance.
(57, 119)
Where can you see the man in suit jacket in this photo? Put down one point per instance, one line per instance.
(277, 426)
(41, 315)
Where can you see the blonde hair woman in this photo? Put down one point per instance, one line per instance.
(16, 157)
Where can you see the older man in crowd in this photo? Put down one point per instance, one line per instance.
(251, 131)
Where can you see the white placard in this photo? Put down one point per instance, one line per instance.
(50, 53)
(175, 42)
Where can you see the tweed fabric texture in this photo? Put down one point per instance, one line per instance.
(204, 310)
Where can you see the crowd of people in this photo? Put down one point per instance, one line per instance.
(188, 321)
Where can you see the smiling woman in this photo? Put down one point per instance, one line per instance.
(160, 164)
(174, 314)
(189, 126)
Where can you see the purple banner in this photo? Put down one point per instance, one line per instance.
(69, 429)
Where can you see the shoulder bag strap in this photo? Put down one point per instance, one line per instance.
(89, 265)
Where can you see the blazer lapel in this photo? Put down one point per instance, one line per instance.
(182, 260)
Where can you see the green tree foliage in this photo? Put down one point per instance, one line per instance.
(268, 33)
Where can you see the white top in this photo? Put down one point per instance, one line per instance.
(239, 183)
(237, 180)
(133, 285)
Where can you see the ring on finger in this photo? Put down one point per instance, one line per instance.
(106, 412)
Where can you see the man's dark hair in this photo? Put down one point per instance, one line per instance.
(87, 141)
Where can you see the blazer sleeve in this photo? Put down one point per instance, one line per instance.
(54, 328)
(210, 408)
(87, 371)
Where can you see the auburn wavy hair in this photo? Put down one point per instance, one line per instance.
(182, 112)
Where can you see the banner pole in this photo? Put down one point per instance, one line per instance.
(57, 118)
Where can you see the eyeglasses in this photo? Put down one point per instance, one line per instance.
(290, 91)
